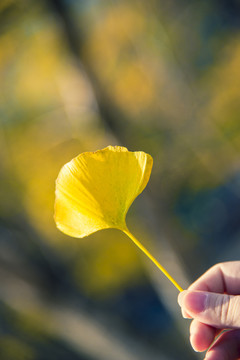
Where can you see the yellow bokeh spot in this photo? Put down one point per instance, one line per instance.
(109, 263)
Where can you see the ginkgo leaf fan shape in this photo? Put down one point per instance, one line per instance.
(95, 190)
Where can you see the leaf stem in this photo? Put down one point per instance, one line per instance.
(149, 255)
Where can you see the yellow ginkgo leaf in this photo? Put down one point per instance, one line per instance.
(95, 190)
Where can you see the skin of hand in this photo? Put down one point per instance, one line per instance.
(213, 302)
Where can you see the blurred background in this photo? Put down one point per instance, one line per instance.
(78, 75)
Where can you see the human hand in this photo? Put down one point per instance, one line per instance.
(213, 302)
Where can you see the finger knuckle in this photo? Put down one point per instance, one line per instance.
(228, 309)
(224, 309)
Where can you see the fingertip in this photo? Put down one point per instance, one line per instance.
(201, 336)
(181, 297)
(192, 342)
(225, 347)
(198, 344)
(213, 355)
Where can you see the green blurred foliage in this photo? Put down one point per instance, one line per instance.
(12, 349)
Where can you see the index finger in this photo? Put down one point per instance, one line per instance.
(221, 278)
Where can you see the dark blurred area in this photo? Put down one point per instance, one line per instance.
(158, 76)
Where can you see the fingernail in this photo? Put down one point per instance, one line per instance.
(181, 296)
(180, 302)
(185, 315)
(195, 301)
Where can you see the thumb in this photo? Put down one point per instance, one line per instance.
(218, 310)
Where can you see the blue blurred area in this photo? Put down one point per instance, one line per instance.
(213, 215)
(140, 308)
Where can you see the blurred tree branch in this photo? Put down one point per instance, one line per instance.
(75, 40)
